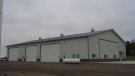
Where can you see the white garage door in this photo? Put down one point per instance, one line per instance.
(109, 49)
(31, 53)
(50, 53)
(13, 54)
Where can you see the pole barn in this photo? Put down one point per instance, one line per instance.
(104, 45)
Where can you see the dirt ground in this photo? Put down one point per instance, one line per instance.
(60, 69)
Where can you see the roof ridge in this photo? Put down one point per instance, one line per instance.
(63, 37)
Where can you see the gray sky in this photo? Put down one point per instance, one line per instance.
(25, 20)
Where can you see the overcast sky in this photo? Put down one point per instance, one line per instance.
(25, 20)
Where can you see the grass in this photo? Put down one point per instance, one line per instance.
(33, 74)
(28, 74)
(131, 58)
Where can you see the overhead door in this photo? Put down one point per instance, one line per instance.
(109, 49)
(13, 54)
(50, 53)
(31, 53)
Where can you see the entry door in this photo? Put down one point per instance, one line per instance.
(31, 53)
(50, 53)
(13, 54)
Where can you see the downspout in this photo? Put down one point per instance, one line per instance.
(99, 49)
(88, 46)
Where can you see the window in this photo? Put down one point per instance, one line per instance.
(94, 56)
(114, 56)
(64, 56)
(123, 56)
(75, 55)
(105, 56)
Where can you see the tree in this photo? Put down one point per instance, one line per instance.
(133, 46)
(128, 48)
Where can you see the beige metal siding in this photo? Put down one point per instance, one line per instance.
(22, 52)
(74, 46)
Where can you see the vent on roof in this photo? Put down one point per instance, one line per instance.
(92, 30)
(61, 35)
(39, 38)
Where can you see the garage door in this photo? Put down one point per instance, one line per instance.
(31, 53)
(50, 53)
(13, 54)
(109, 49)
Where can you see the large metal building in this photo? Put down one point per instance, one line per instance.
(102, 45)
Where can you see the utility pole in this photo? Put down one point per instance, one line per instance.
(1, 8)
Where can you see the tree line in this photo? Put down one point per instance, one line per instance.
(130, 48)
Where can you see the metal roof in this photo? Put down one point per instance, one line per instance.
(65, 37)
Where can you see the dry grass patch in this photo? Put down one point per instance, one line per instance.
(27, 74)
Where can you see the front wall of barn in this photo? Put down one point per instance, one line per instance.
(106, 43)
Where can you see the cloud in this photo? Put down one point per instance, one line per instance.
(25, 20)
